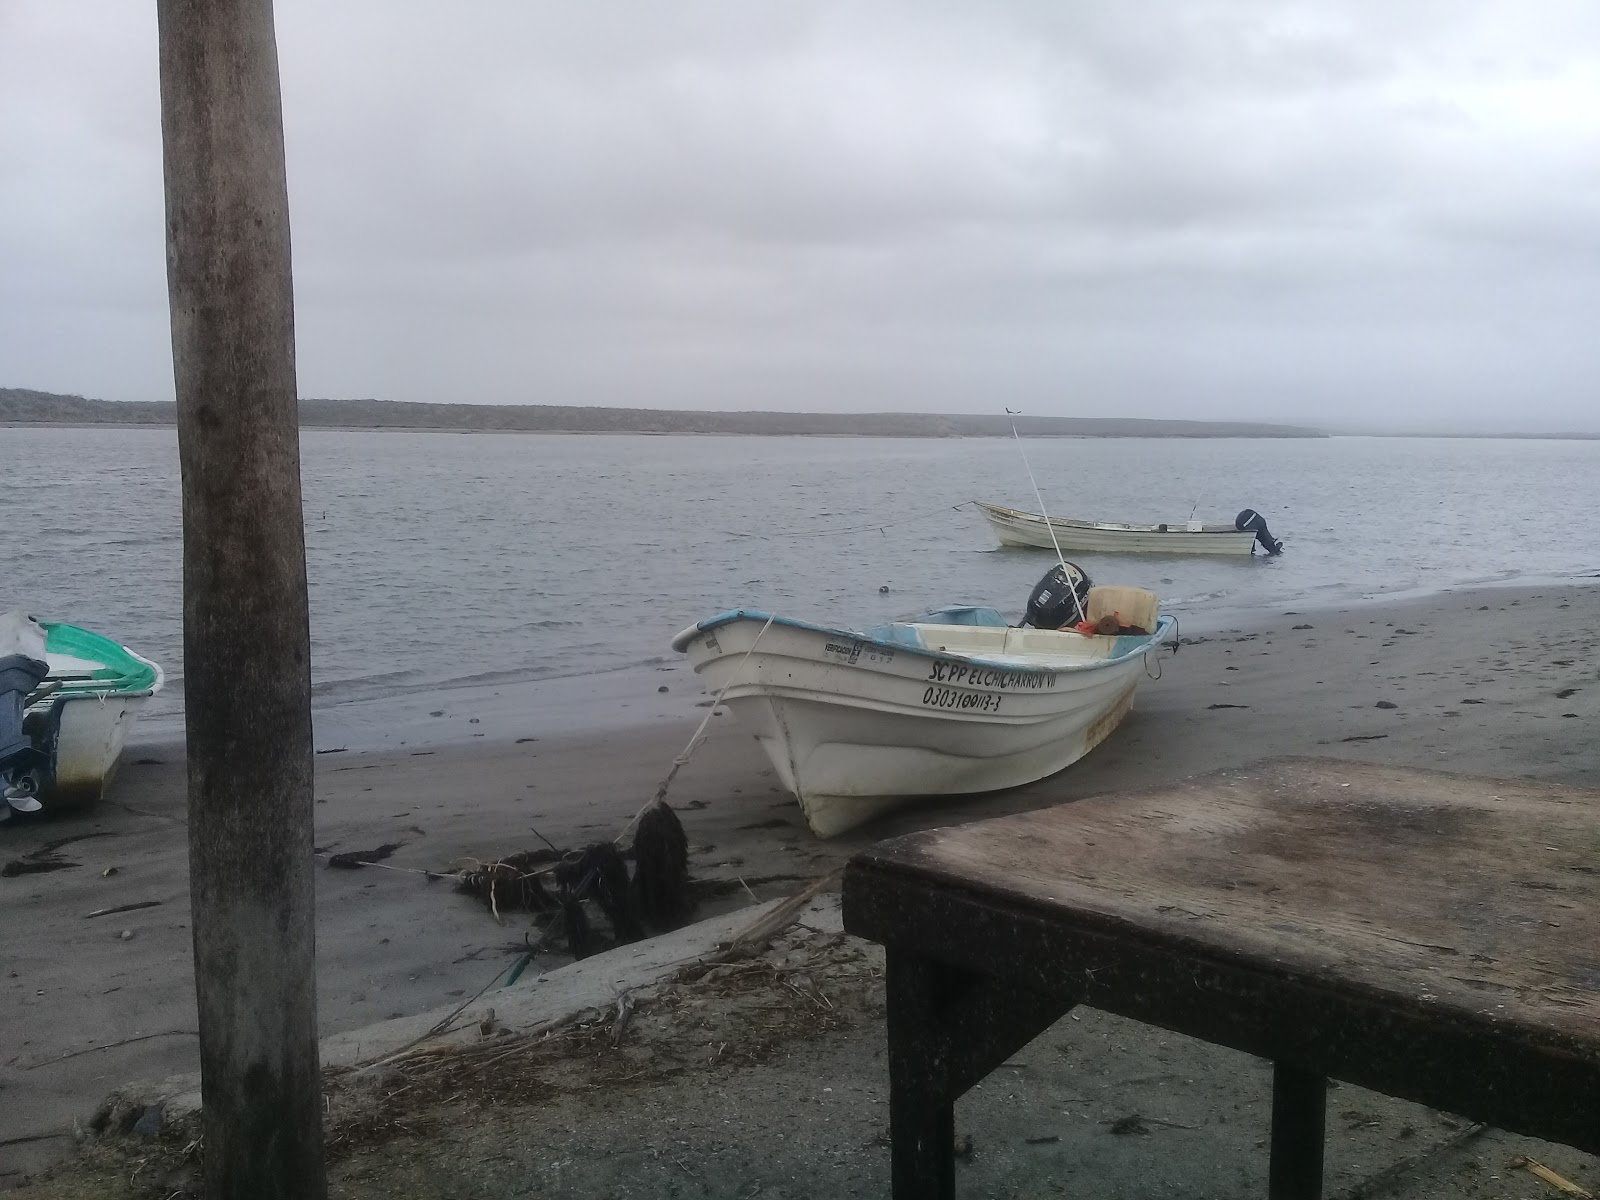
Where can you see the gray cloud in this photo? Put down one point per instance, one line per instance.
(1357, 212)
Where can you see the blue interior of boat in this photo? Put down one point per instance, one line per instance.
(902, 634)
(899, 634)
(966, 614)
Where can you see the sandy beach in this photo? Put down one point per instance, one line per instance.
(1498, 682)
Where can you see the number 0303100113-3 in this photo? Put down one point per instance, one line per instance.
(943, 697)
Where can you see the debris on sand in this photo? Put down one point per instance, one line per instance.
(575, 922)
(656, 897)
(122, 908)
(661, 867)
(513, 883)
(746, 1005)
(1139, 1123)
(35, 866)
(796, 984)
(48, 857)
(1539, 1171)
(600, 873)
(351, 859)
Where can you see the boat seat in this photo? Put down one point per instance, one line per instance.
(966, 614)
(1133, 606)
(899, 632)
(906, 633)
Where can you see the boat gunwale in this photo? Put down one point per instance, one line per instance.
(127, 685)
(1164, 626)
(991, 511)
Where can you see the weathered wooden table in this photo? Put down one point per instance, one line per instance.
(1429, 936)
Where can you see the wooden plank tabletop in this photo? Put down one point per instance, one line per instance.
(1481, 896)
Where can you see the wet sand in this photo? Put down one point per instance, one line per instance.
(1476, 681)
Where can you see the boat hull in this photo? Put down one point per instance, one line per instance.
(1016, 528)
(86, 744)
(81, 718)
(855, 726)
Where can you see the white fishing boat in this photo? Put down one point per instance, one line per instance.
(75, 714)
(1017, 528)
(857, 723)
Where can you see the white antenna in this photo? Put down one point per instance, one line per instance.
(1039, 496)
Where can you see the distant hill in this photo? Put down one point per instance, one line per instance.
(21, 406)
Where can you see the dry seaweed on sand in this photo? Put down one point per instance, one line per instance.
(657, 896)
(709, 1017)
(511, 884)
(35, 866)
(702, 1022)
(48, 857)
(350, 859)
(600, 873)
(580, 937)
(661, 868)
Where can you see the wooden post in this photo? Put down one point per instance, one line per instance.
(246, 644)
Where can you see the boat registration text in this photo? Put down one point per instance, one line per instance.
(990, 677)
(943, 697)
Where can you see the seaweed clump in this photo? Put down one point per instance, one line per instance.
(566, 884)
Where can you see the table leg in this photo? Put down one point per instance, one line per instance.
(921, 1106)
(1299, 1110)
(948, 1028)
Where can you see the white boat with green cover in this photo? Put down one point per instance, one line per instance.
(75, 716)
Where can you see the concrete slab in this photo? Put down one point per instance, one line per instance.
(591, 984)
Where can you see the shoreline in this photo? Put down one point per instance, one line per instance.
(715, 433)
(1509, 436)
(619, 699)
(1215, 620)
(1492, 681)
(26, 405)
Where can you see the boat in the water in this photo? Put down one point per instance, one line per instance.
(958, 702)
(1017, 528)
(68, 697)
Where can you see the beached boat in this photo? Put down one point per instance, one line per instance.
(1017, 528)
(857, 723)
(75, 718)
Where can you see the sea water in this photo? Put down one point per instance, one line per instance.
(443, 561)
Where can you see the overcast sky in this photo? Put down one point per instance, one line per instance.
(1384, 212)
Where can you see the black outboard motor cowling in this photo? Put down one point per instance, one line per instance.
(1061, 598)
(1252, 521)
(20, 760)
(22, 669)
(19, 675)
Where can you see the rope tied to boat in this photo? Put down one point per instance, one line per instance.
(1066, 568)
(699, 734)
(572, 856)
(1155, 649)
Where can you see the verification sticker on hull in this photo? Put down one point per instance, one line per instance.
(849, 653)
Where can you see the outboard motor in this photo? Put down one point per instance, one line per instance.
(1252, 521)
(1061, 598)
(22, 669)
